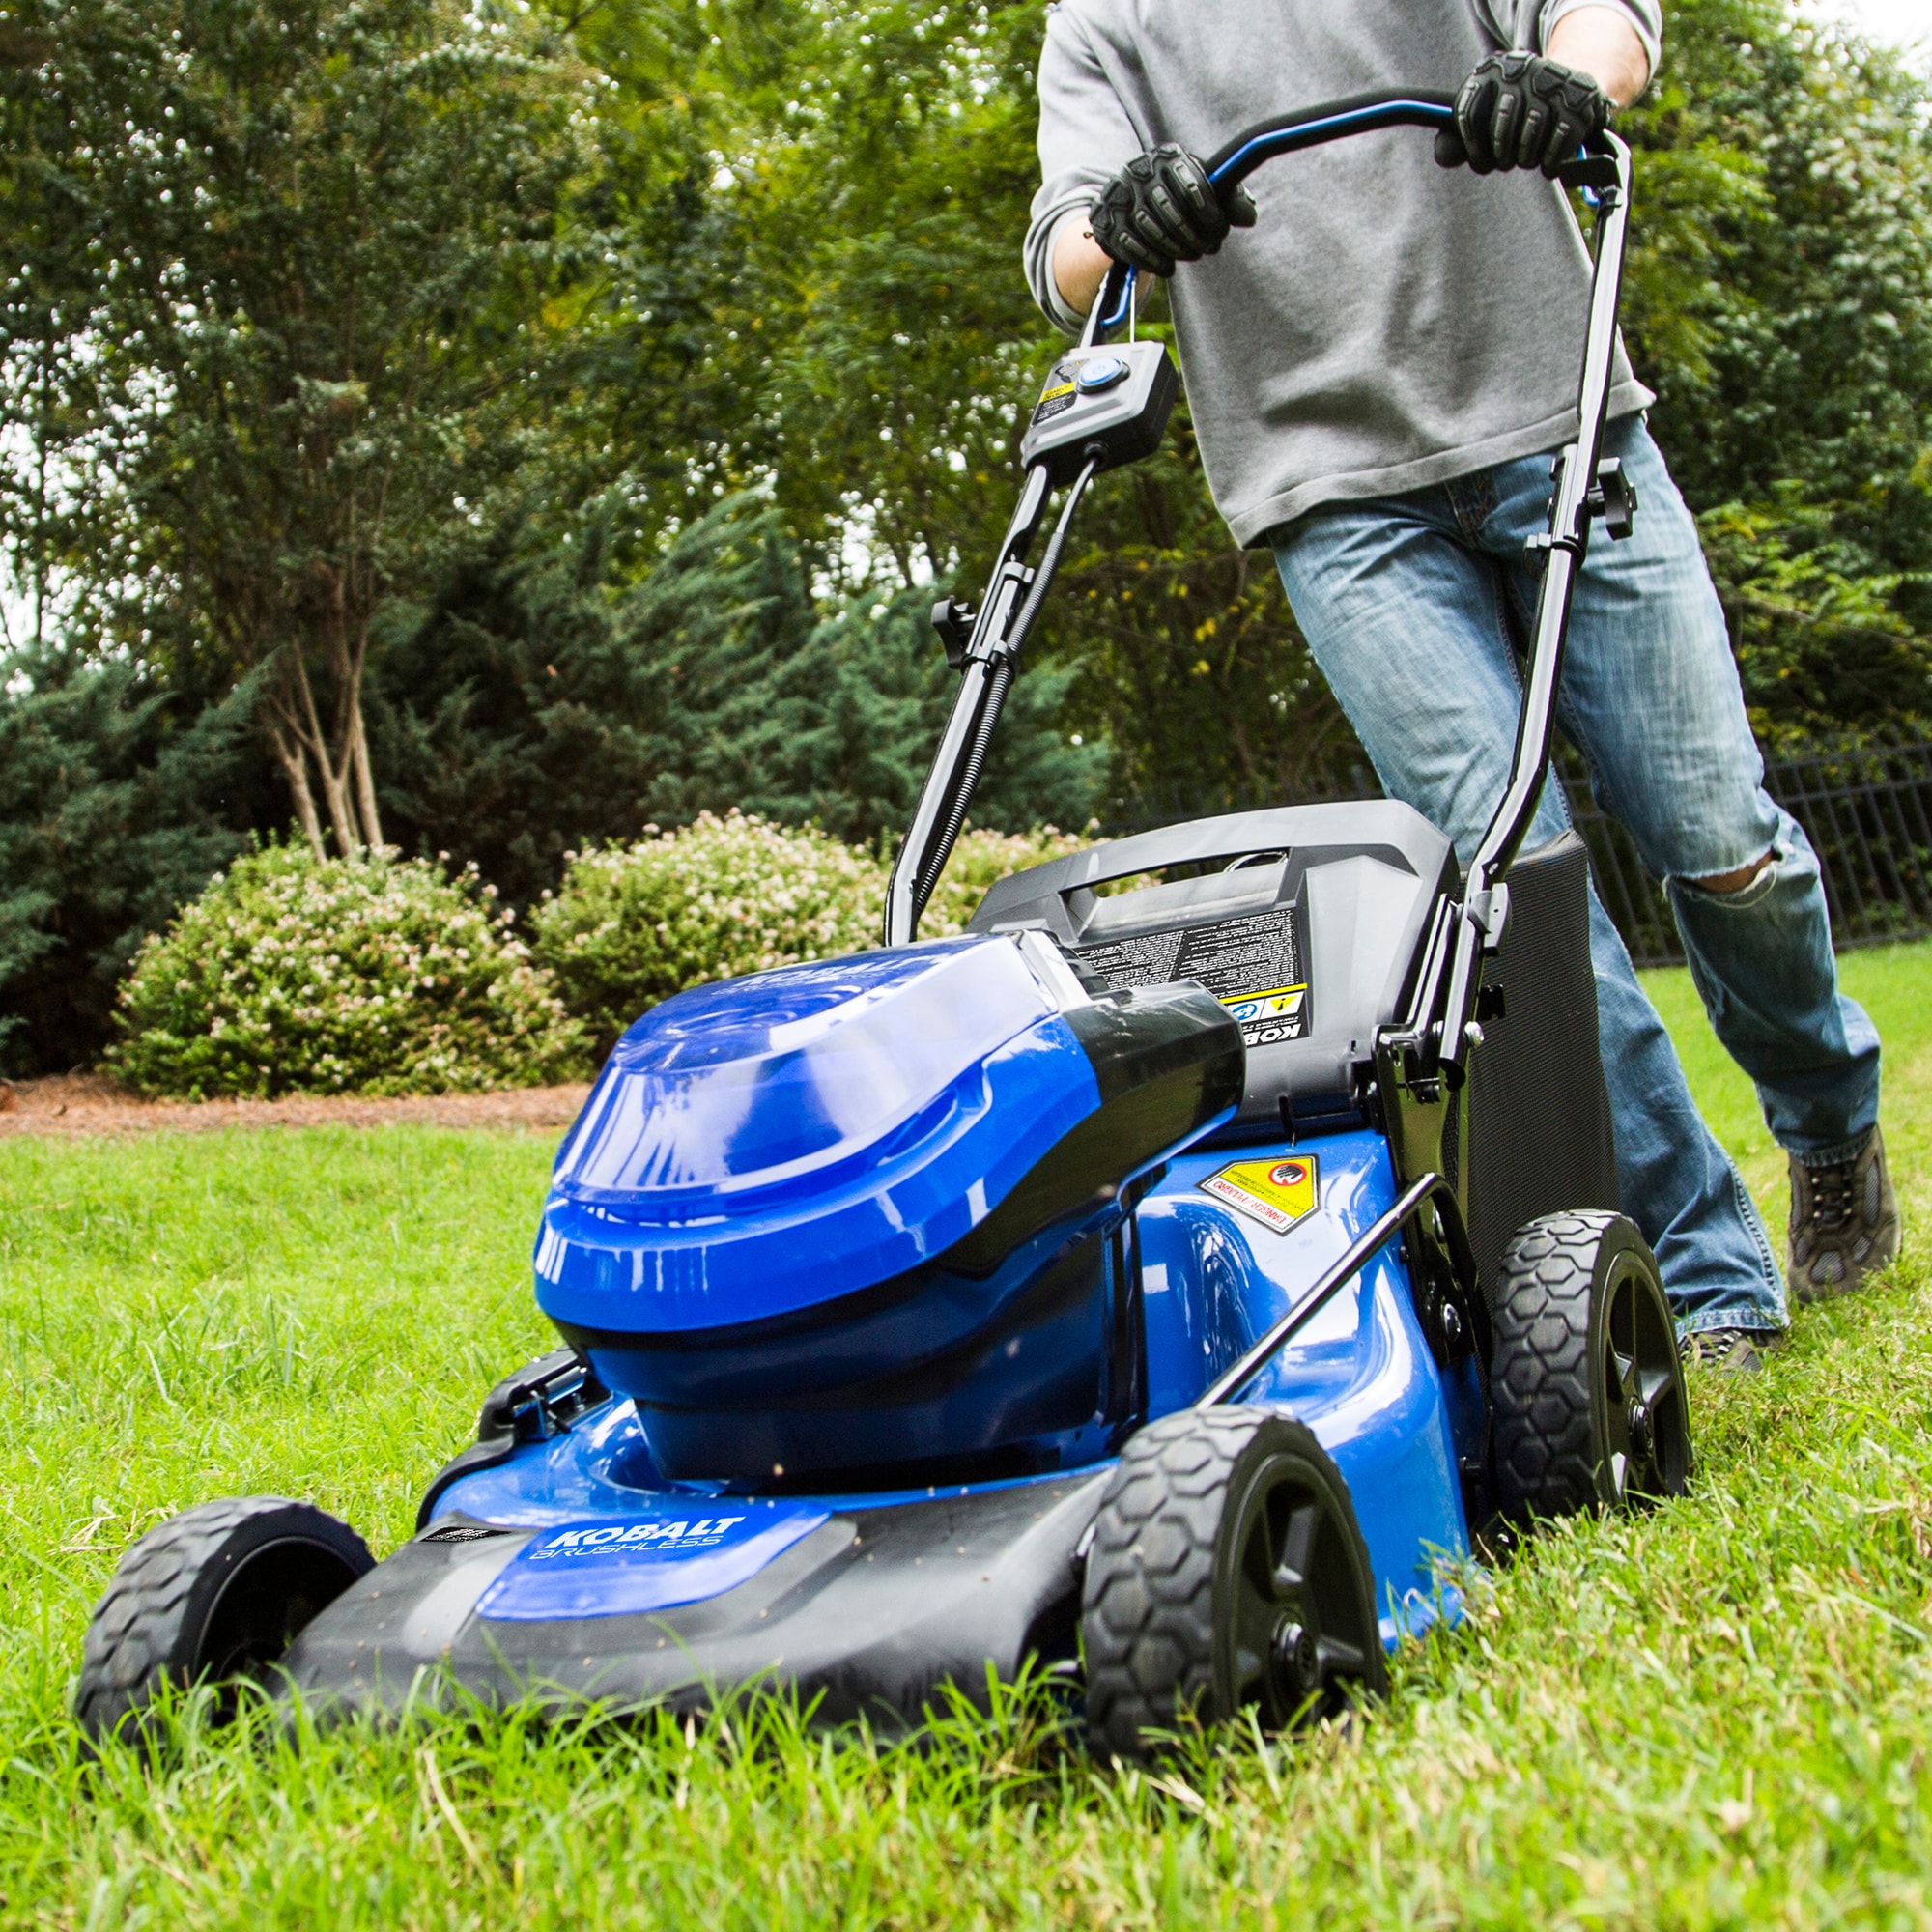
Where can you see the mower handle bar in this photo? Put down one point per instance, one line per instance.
(1236, 160)
(1232, 162)
(1442, 1029)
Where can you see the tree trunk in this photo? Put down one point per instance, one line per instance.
(365, 782)
(293, 761)
(356, 751)
(296, 725)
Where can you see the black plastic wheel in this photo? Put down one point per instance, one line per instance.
(1226, 1570)
(1589, 1410)
(216, 1594)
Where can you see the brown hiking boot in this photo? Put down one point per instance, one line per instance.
(1845, 1222)
(1731, 1351)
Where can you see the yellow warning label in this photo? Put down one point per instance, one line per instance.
(1277, 1014)
(1060, 390)
(1276, 1193)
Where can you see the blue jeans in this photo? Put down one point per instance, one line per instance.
(1410, 605)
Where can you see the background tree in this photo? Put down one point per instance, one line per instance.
(303, 260)
(1782, 310)
(118, 799)
(882, 182)
(528, 710)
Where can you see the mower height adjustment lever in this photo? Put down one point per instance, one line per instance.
(1614, 498)
(953, 618)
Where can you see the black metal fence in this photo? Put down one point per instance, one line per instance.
(1866, 806)
(1866, 809)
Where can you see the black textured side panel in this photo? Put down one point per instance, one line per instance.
(1540, 1136)
(1147, 1035)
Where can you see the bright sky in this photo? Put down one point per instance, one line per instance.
(1903, 23)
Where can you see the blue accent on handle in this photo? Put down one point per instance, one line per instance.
(1312, 134)
(1360, 120)
(763, 1145)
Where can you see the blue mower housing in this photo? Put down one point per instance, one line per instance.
(877, 1211)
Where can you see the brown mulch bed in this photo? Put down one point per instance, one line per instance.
(88, 1103)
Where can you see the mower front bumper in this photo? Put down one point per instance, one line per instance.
(869, 1613)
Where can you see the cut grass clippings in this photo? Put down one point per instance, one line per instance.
(1719, 1713)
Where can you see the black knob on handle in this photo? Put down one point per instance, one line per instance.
(954, 620)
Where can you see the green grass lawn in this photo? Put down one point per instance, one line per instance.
(1719, 1714)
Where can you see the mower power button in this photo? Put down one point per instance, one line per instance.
(1103, 373)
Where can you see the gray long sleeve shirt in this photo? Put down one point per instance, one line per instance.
(1387, 324)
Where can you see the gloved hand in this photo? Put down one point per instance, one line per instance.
(1162, 209)
(1522, 111)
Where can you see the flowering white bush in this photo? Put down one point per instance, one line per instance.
(633, 925)
(372, 975)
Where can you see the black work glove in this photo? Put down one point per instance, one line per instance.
(1162, 209)
(1522, 111)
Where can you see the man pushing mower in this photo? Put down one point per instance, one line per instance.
(1379, 376)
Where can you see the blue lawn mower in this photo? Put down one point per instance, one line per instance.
(1158, 1282)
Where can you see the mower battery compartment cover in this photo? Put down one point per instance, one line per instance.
(1305, 921)
(853, 1097)
(870, 1211)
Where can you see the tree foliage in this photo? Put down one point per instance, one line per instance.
(516, 424)
(529, 708)
(118, 798)
(293, 268)
(1783, 312)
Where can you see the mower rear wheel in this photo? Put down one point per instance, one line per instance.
(1226, 1570)
(214, 1594)
(1589, 1408)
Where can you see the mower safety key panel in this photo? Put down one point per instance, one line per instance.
(1253, 966)
(1116, 398)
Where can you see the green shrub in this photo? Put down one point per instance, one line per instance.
(633, 925)
(373, 975)
(977, 860)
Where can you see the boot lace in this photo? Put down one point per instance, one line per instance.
(1832, 1191)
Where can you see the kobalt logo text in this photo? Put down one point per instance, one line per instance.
(662, 1535)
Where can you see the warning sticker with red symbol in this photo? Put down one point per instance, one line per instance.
(1276, 1193)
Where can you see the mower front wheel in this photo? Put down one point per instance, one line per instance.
(216, 1594)
(1226, 1571)
(1589, 1408)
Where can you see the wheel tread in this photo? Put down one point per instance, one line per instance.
(1147, 1627)
(137, 1631)
(1541, 1387)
